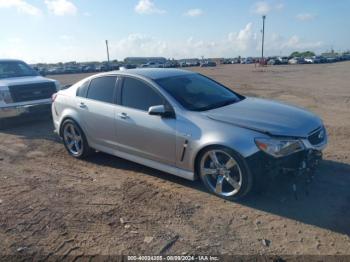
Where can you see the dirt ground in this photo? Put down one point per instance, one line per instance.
(52, 204)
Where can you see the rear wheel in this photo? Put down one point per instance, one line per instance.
(74, 140)
(224, 173)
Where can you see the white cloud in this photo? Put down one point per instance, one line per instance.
(277, 44)
(305, 17)
(61, 7)
(139, 45)
(66, 37)
(147, 7)
(279, 6)
(261, 8)
(15, 40)
(265, 7)
(21, 6)
(295, 42)
(194, 12)
(245, 39)
(241, 43)
(245, 42)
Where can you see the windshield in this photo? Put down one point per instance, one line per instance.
(196, 92)
(9, 69)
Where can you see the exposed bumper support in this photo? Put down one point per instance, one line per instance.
(302, 162)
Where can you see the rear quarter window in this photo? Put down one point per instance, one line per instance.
(102, 89)
(82, 90)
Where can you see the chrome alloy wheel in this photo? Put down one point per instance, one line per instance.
(73, 139)
(221, 173)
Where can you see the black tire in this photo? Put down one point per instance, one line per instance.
(246, 176)
(86, 150)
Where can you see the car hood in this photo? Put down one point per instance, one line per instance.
(23, 80)
(268, 117)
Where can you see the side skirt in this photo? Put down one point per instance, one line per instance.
(146, 162)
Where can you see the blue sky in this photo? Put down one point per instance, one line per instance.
(75, 30)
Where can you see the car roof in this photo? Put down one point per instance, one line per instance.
(152, 73)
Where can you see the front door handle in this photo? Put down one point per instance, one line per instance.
(123, 115)
(82, 105)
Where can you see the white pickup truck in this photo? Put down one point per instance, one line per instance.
(23, 90)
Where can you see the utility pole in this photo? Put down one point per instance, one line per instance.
(263, 38)
(107, 51)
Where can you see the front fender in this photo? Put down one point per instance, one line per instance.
(238, 139)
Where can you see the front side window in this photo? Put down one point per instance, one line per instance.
(198, 93)
(137, 94)
(10, 69)
(102, 89)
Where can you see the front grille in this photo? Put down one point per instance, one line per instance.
(318, 136)
(31, 92)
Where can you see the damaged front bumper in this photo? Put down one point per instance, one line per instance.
(298, 163)
(303, 162)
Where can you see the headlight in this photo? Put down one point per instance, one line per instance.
(5, 96)
(279, 147)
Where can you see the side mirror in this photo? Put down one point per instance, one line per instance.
(160, 110)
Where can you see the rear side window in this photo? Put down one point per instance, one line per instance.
(102, 89)
(82, 90)
(136, 94)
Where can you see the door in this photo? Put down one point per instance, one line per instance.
(138, 133)
(97, 111)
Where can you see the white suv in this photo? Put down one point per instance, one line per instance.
(23, 90)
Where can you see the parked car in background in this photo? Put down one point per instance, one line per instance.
(188, 125)
(273, 61)
(317, 60)
(283, 60)
(331, 59)
(347, 56)
(248, 60)
(296, 60)
(128, 66)
(23, 90)
(309, 60)
(236, 61)
(88, 68)
(152, 65)
(55, 71)
(208, 64)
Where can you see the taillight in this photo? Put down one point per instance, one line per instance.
(53, 97)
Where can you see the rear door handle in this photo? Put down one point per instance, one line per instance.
(82, 105)
(123, 115)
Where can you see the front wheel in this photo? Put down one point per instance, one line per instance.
(224, 173)
(74, 140)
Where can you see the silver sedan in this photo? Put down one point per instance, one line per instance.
(188, 125)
